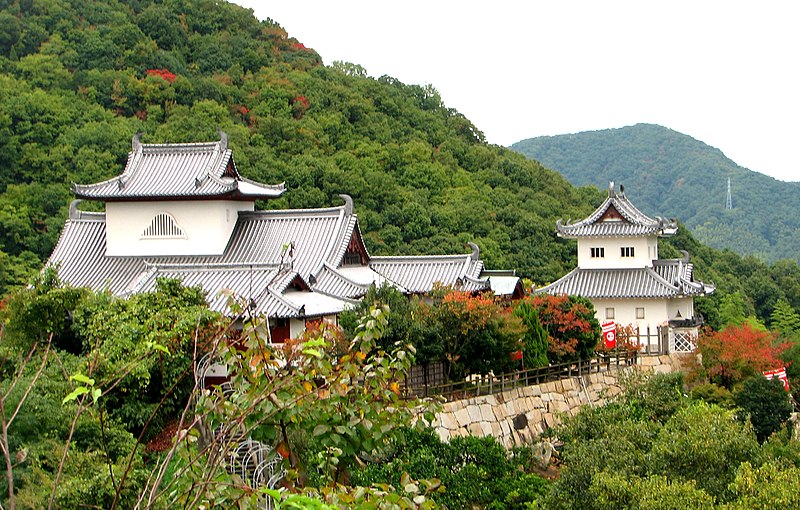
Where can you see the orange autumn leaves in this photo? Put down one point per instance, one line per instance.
(738, 352)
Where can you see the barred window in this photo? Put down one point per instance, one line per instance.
(351, 258)
(627, 251)
(163, 226)
(597, 253)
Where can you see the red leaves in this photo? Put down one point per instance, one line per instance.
(299, 106)
(739, 352)
(170, 77)
(569, 322)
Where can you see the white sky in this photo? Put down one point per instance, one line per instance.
(723, 72)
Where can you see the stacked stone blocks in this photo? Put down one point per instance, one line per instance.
(519, 416)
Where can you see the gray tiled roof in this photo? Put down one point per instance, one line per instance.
(251, 285)
(629, 222)
(314, 234)
(668, 278)
(267, 251)
(419, 274)
(330, 281)
(178, 171)
(80, 255)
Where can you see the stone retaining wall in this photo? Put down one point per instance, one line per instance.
(520, 415)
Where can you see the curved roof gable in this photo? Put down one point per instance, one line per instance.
(617, 217)
(178, 171)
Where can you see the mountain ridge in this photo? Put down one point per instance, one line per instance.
(673, 174)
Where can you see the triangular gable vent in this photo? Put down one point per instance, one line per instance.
(612, 214)
(163, 225)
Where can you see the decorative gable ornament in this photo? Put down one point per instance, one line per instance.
(163, 226)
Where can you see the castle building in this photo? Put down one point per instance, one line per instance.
(183, 211)
(620, 273)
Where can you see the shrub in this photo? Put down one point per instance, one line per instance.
(473, 471)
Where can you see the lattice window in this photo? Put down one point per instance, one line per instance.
(626, 251)
(682, 341)
(163, 225)
(597, 253)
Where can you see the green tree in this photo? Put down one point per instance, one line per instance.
(42, 311)
(732, 310)
(784, 319)
(765, 403)
(536, 340)
(614, 491)
(703, 443)
(472, 471)
(772, 484)
(399, 318)
(162, 330)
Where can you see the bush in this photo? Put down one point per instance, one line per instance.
(473, 471)
(713, 394)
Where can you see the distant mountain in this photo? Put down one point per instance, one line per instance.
(667, 173)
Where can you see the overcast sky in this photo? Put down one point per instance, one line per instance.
(723, 72)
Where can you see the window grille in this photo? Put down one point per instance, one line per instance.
(597, 253)
(163, 225)
(682, 341)
(627, 251)
(351, 258)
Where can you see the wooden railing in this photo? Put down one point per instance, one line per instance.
(489, 384)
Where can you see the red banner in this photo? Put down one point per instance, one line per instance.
(780, 373)
(609, 334)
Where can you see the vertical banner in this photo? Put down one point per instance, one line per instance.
(609, 334)
(780, 373)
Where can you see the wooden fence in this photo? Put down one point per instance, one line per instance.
(650, 343)
(488, 384)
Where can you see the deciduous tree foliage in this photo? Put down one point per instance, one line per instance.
(654, 448)
(476, 335)
(765, 403)
(573, 330)
(738, 352)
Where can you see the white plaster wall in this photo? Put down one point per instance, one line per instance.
(645, 250)
(296, 327)
(655, 312)
(207, 224)
(685, 305)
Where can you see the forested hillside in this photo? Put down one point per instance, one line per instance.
(103, 402)
(671, 174)
(79, 78)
